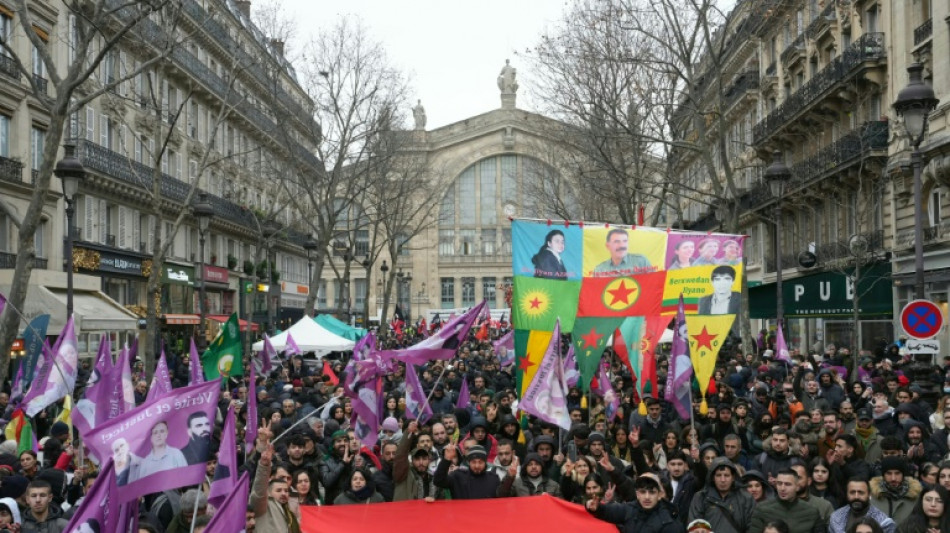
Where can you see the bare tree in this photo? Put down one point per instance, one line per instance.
(96, 27)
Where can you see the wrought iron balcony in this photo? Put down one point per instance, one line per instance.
(8, 67)
(923, 32)
(42, 84)
(747, 81)
(11, 170)
(828, 252)
(871, 137)
(795, 47)
(8, 261)
(869, 47)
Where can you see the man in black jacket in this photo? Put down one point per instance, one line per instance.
(651, 513)
(474, 482)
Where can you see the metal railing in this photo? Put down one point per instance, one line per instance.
(8, 261)
(42, 84)
(796, 46)
(11, 170)
(8, 67)
(828, 252)
(870, 137)
(869, 47)
(747, 81)
(923, 32)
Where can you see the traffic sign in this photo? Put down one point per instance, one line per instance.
(921, 319)
(931, 346)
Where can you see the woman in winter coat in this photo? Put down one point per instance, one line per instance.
(360, 489)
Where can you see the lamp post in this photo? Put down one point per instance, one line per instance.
(384, 268)
(71, 172)
(204, 212)
(914, 104)
(310, 245)
(404, 280)
(269, 229)
(777, 176)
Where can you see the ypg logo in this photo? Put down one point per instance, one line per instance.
(621, 294)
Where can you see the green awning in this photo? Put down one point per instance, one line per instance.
(828, 294)
(340, 328)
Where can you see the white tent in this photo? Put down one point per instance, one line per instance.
(666, 337)
(310, 337)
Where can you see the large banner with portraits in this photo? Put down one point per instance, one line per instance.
(592, 276)
(162, 444)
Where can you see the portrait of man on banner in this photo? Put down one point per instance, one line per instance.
(724, 300)
(611, 252)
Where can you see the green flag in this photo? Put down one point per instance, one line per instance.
(590, 339)
(25, 444)
(224, 356)
(538, 303)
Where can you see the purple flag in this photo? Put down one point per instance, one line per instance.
(505, 349)
(290, 346)
(464, 398)
(128, 518)
(225, 474)
(161, 380)
(366, 392)
(443, 345)
(97, 390)
(59, 374)
(151, 445)
(546, 396)
(250, 431)
(681, 368)
(268, 355)
(571, 374)
(194, 365)
(17, 388)
(98, 512)
(125, 390)
(230, 515)
(781, 349)
(416, 405)
(606, 390)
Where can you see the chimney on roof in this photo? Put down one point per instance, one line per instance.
(244, 6)
(278, 46)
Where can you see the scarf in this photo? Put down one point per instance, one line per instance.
(864, 436)
(895, 493)
(290, 519)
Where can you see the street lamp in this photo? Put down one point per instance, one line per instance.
(914, 104)
(270, 229)
(71, 172)
(382, 317)
(204, 212)
(404, 280)
(777, 176)
(310, 245)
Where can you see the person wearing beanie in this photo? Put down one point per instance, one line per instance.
(533, 481)
(894, 492)
(336, 467)
(60, 432)
(478, 430)
(389, 430)
(13, 487)
(681, 480)
(608, 467)
(651, 512)
(474, 482)
(699, 526)
(411, 477)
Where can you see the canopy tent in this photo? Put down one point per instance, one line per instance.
(523, 515)
(338, 327)
(310, 337)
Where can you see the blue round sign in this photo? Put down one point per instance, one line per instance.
(921, 319)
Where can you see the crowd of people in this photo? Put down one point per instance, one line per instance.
(783, 448)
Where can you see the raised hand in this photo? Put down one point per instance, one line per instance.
(605, 462)
(412, 428)
(513, 468)
(609, 493)
(635, 436)
(346, 455)
(592, 504)
(450, 452)
(267, 456)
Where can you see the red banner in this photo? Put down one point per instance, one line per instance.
(635, 295)
(541, 514)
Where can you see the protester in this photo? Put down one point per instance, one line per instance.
(650, 513)
(41, 515)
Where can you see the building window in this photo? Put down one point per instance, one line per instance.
(4, 233)
(360, 299)
(37, 144)
(933, 210)
(468, 292)
(488, 291)
(402, 245)
(488, 242)
(467, 242)
(362, 242)
(446, 242)
(4, 136)
(322, 294)
(448, 293)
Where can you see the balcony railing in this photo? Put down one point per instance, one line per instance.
(8, 67)
(869, 47)
(8, 261)
(11, 170)
(923, 32)
(797, 46)
(118, 166)
(828, 252)
(42, 84)
(872, 136)
(749, 80)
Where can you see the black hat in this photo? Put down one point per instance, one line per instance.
(723, 407)
(894, 462)
(476, 452)
(596, 436)
(419, 451)
(866, 414)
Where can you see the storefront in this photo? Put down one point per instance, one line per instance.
(178, 306)
(219, 297)
(123, 275)
(819, 308)
(293, 300)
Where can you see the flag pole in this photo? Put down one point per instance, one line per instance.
(194, 513)
(434, 385)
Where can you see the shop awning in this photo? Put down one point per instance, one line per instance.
(242, 323)
(829, 294)
(94, 311)
(181, 320)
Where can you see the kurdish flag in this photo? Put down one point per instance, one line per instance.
(633, 295)
(590, 340)
(225, 355)
(707, 333)
(539, 303)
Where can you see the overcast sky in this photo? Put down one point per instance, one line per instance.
(452, 51)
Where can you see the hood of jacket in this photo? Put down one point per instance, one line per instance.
(914, 488)
(718, 463)
(14, 509)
